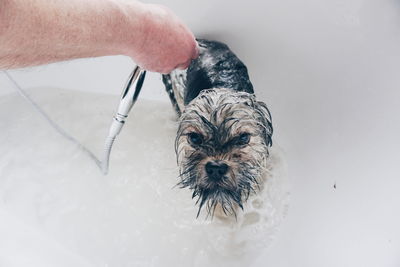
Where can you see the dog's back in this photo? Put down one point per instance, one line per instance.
(216, 67)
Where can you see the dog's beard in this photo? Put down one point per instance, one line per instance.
(222, 117)
(228, 195)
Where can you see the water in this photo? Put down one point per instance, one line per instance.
(51, 192)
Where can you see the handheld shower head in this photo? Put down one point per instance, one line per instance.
(128, 99)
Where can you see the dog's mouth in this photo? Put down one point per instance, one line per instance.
(216, 195)
(223, 183)
(223, 193)
(211, 195)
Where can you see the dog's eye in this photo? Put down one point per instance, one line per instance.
(195, 138)
(243, 139)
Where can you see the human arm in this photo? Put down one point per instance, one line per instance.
(37, 32)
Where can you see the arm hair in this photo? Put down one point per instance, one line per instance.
(38, 32)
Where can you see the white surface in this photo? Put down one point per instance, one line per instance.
(132, 217)
(329, 71)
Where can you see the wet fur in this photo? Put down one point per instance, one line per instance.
(215, 98)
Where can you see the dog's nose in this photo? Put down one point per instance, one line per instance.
(216, 169)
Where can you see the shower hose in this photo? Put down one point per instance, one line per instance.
(128, 99)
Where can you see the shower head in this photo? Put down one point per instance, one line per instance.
(129, 96)
(128, 99)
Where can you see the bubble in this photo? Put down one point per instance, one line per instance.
(135, 216)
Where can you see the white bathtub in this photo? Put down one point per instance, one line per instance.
(329, 72)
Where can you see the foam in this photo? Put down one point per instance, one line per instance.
(132, 217)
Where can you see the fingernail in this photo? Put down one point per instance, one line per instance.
(196, 51)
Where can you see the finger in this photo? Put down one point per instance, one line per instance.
(196, 51)
(185, 65)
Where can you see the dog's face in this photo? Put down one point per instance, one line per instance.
(221, 147)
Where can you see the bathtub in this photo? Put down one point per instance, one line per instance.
(329, 74)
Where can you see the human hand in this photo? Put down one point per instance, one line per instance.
(166, 43)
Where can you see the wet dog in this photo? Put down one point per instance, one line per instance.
(224, 132)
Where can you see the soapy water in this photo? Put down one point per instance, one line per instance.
(135, 216)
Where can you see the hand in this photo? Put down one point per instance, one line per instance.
(166, 43)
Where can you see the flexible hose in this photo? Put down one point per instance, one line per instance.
(127, 101)
(105, 162)
(53, 124)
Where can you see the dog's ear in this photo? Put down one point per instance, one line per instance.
(264, 116)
